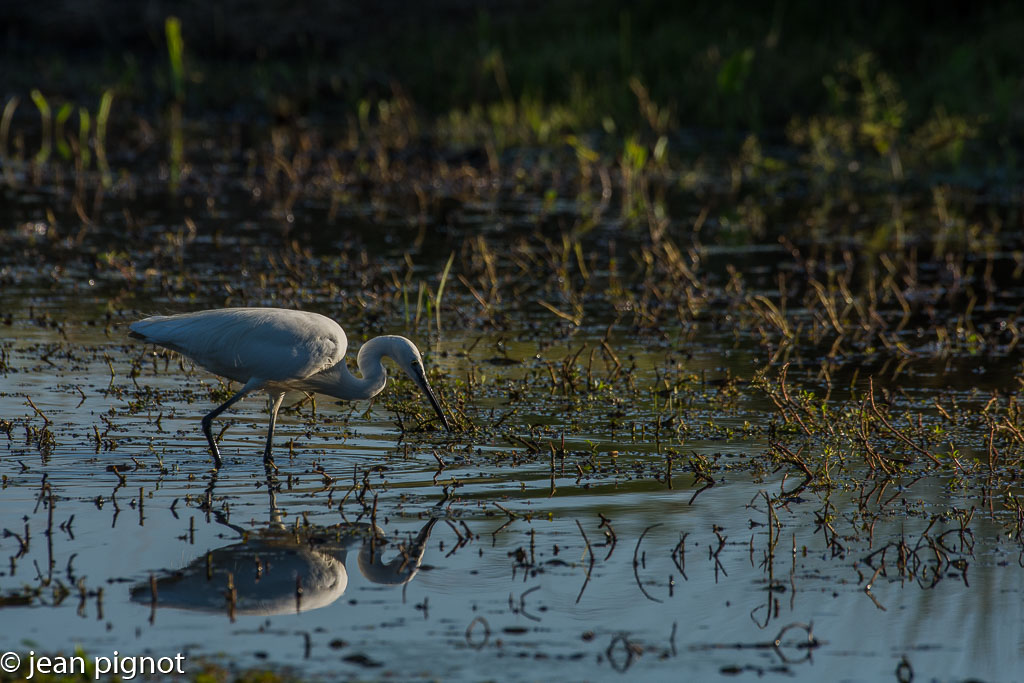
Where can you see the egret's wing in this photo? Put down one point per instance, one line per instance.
(273, 344)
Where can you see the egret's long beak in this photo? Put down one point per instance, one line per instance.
(421, 379)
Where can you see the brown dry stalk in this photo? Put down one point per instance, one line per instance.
(897, 433)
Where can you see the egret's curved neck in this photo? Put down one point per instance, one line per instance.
(340, 383)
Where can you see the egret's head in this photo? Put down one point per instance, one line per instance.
(408, 357)
(402, 568)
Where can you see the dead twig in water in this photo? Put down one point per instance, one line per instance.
(897, 433)
(867, 590)
(792, 458)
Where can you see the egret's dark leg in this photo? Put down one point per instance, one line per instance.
(208, 420)
(275, 405)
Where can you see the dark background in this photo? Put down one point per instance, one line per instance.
(748, 66)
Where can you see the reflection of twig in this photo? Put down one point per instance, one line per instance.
(479, 644)
(630, 652)
(522, 604)
(153, 599)
(590, 551)
(511, 518)
(904, 672)
(610, 534)
(636, 564)
(680, 550)
(776, 644)
(231, 595)
(812, 642)
(462, 539)
(714, 553)
(22, 542)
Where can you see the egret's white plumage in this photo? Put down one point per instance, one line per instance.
(278, 350)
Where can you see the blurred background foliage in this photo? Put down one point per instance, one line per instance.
(717, 65)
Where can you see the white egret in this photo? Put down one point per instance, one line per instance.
(277, 350)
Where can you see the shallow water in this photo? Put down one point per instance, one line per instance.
(508, 587)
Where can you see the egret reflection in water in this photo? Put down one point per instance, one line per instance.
(283, 569)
